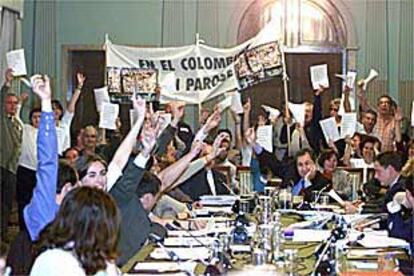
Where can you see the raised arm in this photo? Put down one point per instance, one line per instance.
(246, 115)
(237, 129)
(170, 174)
(75, 96)
(121, 155)
(362, 98)
(347, 103)
(42, 208)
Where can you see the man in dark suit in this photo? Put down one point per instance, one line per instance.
(387, 168)
(207, 181)
(307, 178)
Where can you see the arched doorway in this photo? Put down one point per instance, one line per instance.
(313, 32)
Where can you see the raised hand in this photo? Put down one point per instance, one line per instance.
(139, 107)
(23, 97)
(398, 114)
(196, 148)
(149, 135)
(8, 76)
(217, 149)
(247, 107)
(213, 121)
(320, 90)
(347, 90)
(81, 79)
(41, 86)
(250, 136)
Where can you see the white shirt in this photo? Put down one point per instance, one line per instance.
(63, 132)
(210, 181)
(63, 263)
(28, 155)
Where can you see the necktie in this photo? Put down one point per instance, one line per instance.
(298, 187)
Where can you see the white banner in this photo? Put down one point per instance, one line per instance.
(193, 73)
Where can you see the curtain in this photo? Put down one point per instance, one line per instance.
(8, 29)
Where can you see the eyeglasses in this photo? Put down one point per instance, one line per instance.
(334, 109)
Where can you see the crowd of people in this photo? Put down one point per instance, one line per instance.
(89, 204)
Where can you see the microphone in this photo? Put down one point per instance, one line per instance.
(158, 241)
(211, 269)
(320, 193)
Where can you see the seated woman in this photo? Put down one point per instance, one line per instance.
(340, 180)
(83, 238)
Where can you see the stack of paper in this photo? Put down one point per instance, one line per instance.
(183, 253)
(309, 235)
(379, 241)
(188, 241)
(165, 266)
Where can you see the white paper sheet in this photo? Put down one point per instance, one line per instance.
(236, 104)
(309, 235)
(17, 62)
(132, 117)
(224, 104)
(319, 76)
(101, 96)
(218, 200)
(412, 115)
(332, 193)
(348, 124)
(350, 79)
(298, 112)
(329, 129)
(109, 113)
(273, 112)
(379, 241)
(182, 252)
(264, 137)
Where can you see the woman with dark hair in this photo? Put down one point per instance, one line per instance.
(83, 238)
(340, 180)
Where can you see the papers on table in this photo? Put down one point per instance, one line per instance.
(348, 124)
(101, 96)
(243, 248)
(273, 112)
(183, 253)
(370, 240)
(264, 137)
(298, 112)
(319, 76)
(188, 241)
(165, 266)
(372, 75)
(17, 62)
(219, 200)
(109, 113)
(208, 210)
(309, 235)
(332, 193)
(329, 129)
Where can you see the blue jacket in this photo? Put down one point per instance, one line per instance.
(402, 229)
(42, 208)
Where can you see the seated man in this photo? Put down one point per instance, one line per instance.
(388, 181)
(306, 178)
(397, 226)
(207, 181)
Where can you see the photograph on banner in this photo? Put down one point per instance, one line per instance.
(258, 64)
(131, 80)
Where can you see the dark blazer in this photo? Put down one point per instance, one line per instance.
(197, 185)
(135, 224)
